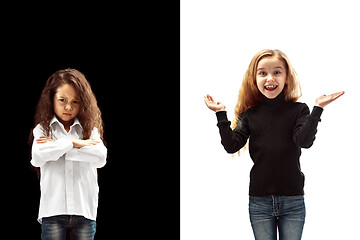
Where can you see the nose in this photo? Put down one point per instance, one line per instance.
(270, 78)
(68, 107)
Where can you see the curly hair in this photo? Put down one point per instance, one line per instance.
(89, 114)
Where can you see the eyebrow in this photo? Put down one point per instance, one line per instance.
(274, 67)
(77, 99)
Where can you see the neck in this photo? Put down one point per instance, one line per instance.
(278, 99)
(66, 124)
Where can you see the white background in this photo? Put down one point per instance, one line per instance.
(218, 40)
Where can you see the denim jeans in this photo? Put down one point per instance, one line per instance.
(67, 227)
(272, 213)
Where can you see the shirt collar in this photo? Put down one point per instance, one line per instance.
(76, 122)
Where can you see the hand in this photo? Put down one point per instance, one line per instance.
(324, 100)
(78, 143)
(212, 105)
(44, 139)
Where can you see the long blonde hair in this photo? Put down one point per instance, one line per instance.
(249, 94)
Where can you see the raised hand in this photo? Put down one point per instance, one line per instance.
(324, 100)
(212, 104)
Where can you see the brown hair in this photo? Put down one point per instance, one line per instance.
(249, 94)
(89, 114)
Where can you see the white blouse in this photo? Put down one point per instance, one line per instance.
(68, 180)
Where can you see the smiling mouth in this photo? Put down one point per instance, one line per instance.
(271, 87)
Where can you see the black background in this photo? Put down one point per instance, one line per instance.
(127, 59)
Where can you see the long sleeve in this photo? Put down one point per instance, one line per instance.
(306, 126)
(68, 180)
(49, 151)
(232, 140)
(95, 154)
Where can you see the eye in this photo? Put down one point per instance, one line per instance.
(262, 73)
(76, 101)
(62, 100)
(277, 72)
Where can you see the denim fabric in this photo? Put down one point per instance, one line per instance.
(67, 227)
(272, 213)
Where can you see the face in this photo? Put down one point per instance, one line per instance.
(66, 104)
(271, 76)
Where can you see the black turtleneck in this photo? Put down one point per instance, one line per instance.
(277, 130)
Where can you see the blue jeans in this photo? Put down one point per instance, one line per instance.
(64, 227)
(286, 213)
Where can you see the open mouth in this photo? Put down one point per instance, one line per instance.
(270, 87)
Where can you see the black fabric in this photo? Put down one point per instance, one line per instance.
(277, 130)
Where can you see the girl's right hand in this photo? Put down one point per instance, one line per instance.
(213, 105)
(78, 143)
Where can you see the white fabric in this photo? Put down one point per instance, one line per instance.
(68, 180)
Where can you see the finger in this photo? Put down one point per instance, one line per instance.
(335, 96)
(339, 94)
(209, 98)
(206, 99)
(43, 137)
(92, 142)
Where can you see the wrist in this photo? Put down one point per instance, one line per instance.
(76, 143)
(220, 109)
(319, 105)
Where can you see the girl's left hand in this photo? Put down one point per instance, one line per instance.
(44, 139)
(324, 100)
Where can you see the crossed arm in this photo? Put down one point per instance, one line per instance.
(46, 149)
(77, 143)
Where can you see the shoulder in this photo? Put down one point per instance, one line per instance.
(38, 128)
(95, 132)
(301, 109)
(39, 131)
(299, 106)
(244, 115)
(251, 110)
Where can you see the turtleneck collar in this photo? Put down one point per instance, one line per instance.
(278, 99)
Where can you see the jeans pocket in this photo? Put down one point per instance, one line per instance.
(294, 209)
(260, 209)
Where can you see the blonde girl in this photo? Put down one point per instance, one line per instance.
(268, 115)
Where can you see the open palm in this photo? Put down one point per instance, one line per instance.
(324, 100)
(213, 105)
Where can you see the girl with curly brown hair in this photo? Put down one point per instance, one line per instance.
(67, 148)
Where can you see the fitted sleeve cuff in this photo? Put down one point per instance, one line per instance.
(316, 113)
(221, 116)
